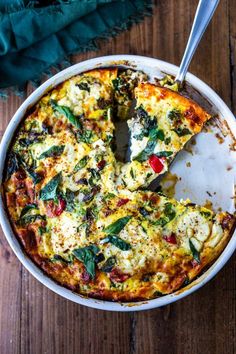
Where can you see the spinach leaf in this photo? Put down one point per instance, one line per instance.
(149, 149)
(12, 164)
(58, 258)
(168, 140)
(157, 134)
(81, 164)
(54, 151)
(195, 253)
(108, 265)
(69, 197)
(117, 241)
(95, 176)
(164, 153)
(30, 170)
(162, 221)
(42, 230)
(151, 144)
(149, 123)
(29, 219)
(49, 191)
(182, 131)
(169, 215)
(144, 212)
(118, 83)
(169, 211)
(65, 111)
(87, 256)
(174, 114)
(35, 177)
(117, 226)
(25, 142)
(83, 86)
(141, 113)
(27, 208)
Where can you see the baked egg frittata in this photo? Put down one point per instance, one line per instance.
(83, 216)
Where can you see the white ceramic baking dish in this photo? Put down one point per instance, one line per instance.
(209, 157)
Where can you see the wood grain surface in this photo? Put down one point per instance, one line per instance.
(34, 320)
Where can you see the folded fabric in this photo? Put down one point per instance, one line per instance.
(36, 35)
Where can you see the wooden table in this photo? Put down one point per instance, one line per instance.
(34, 320)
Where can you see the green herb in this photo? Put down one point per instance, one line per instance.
(54, 151)
(207, 214)
(83, 86)
(182, 131)
(65, 111)
(58, 258)
(118, 83)
(124, 183)
(144, 212)
(50, 190)
(174, 114)
(162, 221)
(108, 265)
(109, 196)
(169, 215)
(87, 256)
(151, 144)
(132, 173)
(42, 230)
(29, 219)
(144, 230)
(27, 208)
(157, 134)
(30, 170)
(81, 164)
(169, 211)
(95, 176)
(12, 164)
(35, 177)
(149, 124)
(25, 142)
(164, 153)
(85, 136)
(195, 253)
(117, 241)
(117, 226)
(157, 293)
(168, 140)
(69, 197)
(141, 113)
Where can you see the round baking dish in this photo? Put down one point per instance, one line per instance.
(155, 68)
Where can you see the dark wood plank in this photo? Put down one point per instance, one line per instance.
(232, 44)
(35, 320)
(10, 271)
(51, 324)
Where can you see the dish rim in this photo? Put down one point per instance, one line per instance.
(42, 277)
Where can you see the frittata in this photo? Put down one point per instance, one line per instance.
(85, 218)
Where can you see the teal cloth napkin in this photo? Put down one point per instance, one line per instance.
(38, 35)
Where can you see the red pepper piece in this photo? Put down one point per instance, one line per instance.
(171, 239)
(101, 164)
(117, 276)
(53, 209)
(156, 163)
(122, 201)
